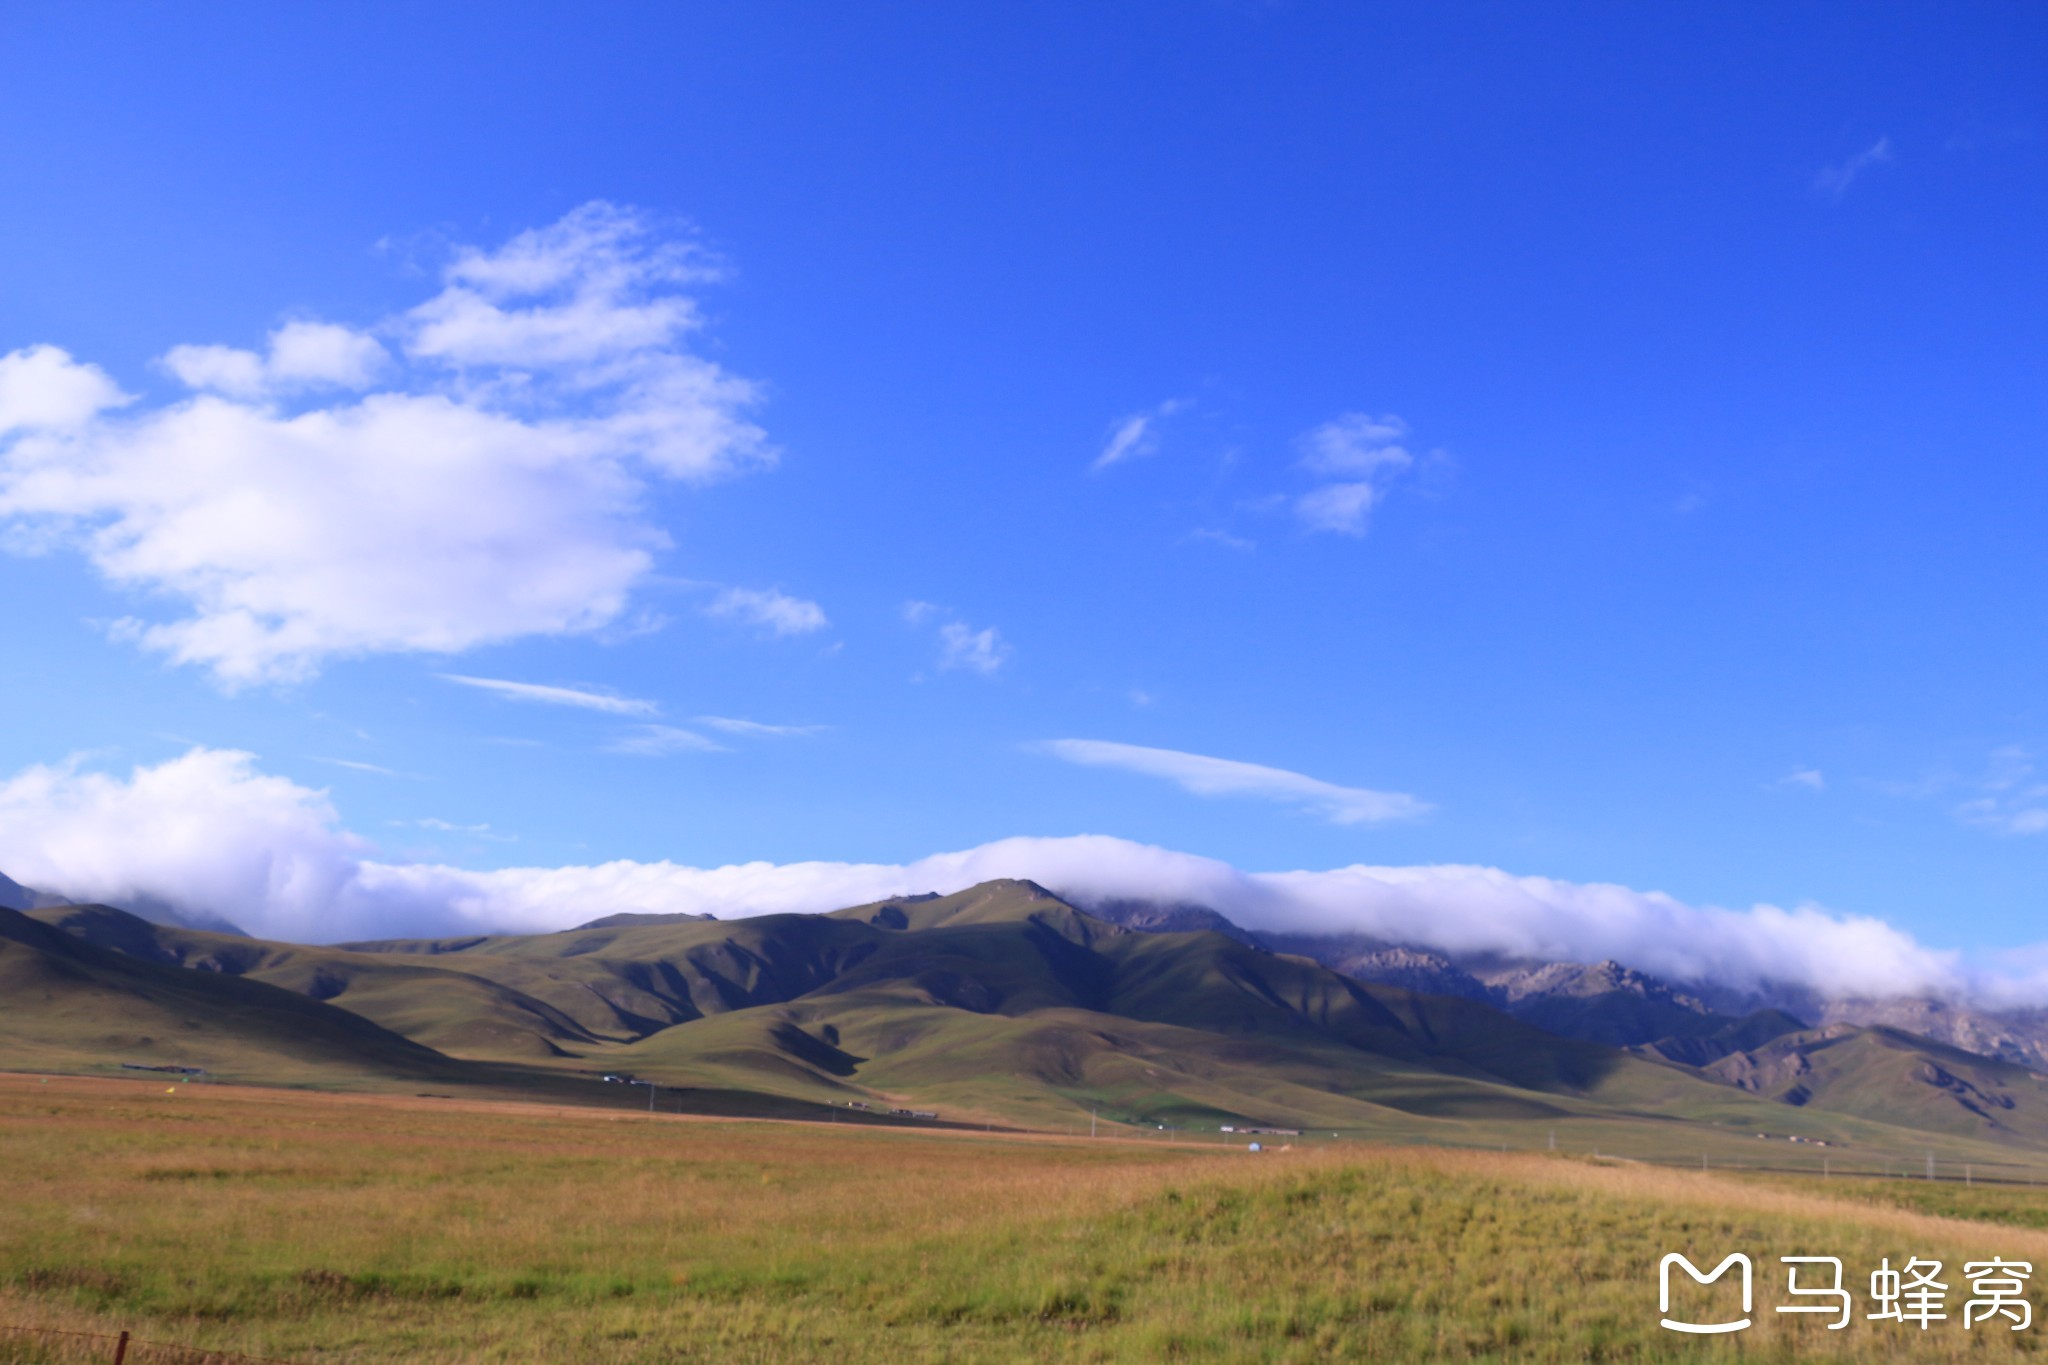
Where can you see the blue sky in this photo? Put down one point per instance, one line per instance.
(1610, 434)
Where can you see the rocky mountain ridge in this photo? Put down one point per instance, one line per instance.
(1611, 1002)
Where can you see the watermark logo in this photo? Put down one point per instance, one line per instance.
(1912, 1295)
(1664, 1291)
(1843, 1305)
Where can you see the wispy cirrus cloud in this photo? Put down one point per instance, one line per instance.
(755, 729)
(1812, 779)
(1203, 775)
(772, 610)
(1834, 181)
(449, 827)
(546, 694)
(474, 469)
(357, 765)
(961, 647)
(2011, 797)
(477, 831)
(1209, 535)
(981, 651)
(659, 741)
(1136, 435)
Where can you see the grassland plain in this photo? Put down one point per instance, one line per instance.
(368, 1228)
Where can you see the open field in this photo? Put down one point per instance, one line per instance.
(349, 1227)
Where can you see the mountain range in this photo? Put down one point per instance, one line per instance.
(1613, 1003)
(1001, 1004)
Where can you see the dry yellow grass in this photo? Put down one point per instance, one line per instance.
(333, 1227)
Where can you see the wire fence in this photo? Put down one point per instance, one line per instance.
(55, 1346)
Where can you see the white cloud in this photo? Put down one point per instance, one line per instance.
(43, 389)
(209, 832)
(756, 730)
(1357, 445)
(961, 647)
(206, 829)
(659, 741)
(492, 485)
(1360, 456)
(217, 369)
(1224, 538)
(1205, 776)
(1834, 181)
(1340, 507)
(1809, 778)
(1135, 435)
(440, 826)
(301, 355)
(978, 651)
(323, 353)
(357, 765)
(776, 612)
(558, 696)
(2012, 798)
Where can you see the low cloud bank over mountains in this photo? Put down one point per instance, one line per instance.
(210, 834)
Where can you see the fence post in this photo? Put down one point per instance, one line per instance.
(121, 1349)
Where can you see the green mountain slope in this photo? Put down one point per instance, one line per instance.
(65, 1003)
(1898, 1078)
(450, 1011)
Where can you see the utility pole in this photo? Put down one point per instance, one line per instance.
(1091, 1123)
(650, 1096)
(1930, 1165)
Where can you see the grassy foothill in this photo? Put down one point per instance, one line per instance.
(367, 1228)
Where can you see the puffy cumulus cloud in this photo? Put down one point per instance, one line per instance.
(301, 354)
(1359, 457)
(200, 833)
(43, 389)
(1206, 776)
(482, 478)
(209, 832)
